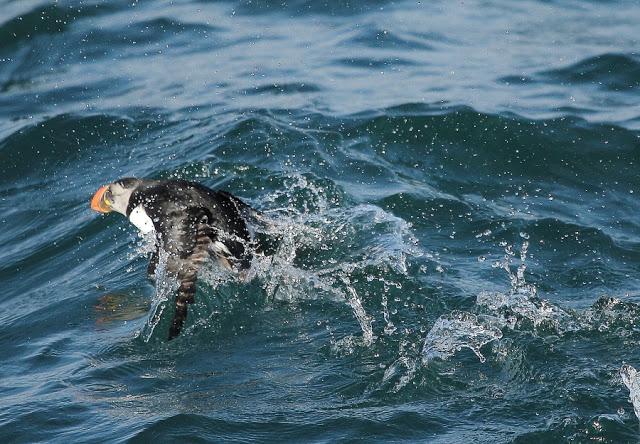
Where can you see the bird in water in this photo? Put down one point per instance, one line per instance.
(191, 223)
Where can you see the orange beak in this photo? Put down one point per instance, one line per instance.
(97, 202)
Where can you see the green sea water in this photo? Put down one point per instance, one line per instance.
(455, 186)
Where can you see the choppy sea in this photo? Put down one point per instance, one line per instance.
(456, 188)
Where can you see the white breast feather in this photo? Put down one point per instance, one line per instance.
(141, 220)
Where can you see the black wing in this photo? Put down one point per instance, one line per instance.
(186, 241)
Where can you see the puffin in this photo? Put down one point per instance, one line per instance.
(190, 222)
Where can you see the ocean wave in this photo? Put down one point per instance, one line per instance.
(44, 149)
(46, 20)
(285, 88)
(612, 72)
(390, 222)
(308, 7)
(334, 427)
(387, 39)
(374, 63)
(460, 144)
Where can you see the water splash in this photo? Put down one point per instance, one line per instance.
(361, 315)
(518, 282)
(457, 330)
(515, 307)
(520, 304)
(609, 314)
(165, 286)
(631, 379)
(404, 369)
(322, 246)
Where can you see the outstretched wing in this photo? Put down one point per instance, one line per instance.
(186, 242)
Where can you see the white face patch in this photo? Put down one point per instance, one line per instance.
(141, 219)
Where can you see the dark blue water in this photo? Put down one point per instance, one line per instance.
(455, 184)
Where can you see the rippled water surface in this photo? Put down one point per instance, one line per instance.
(455, 186)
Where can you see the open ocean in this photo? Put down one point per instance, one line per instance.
(456, 185)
